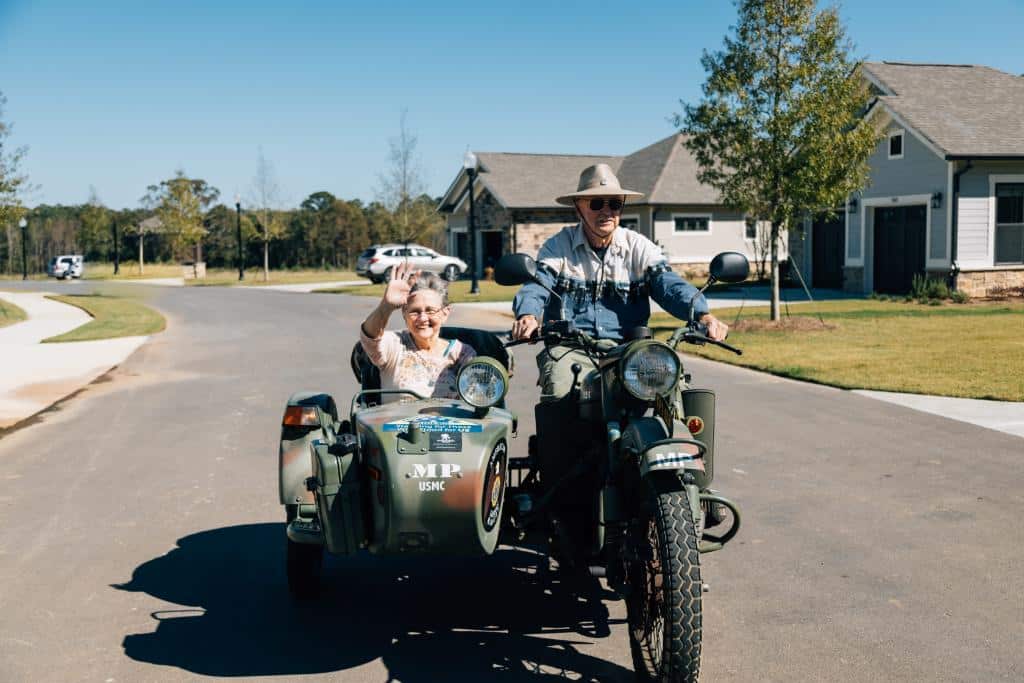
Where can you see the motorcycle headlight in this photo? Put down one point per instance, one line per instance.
(650, 370)
(482, 382)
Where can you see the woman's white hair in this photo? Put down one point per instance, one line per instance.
(433, 283)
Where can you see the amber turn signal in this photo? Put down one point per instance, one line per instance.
(301, 416)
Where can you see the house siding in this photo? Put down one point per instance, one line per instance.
(920, 171)
(727, 234)
(975, 224)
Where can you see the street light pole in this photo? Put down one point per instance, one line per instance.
(238, 224)
(470, 164)
(117, 250)
(23, 224)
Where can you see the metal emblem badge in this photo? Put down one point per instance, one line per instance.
(494, 485)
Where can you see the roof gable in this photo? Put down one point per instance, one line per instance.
(963, 110)
(665, 172)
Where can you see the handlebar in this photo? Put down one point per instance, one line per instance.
(693, 333)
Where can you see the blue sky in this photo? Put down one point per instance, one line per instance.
(120, 94)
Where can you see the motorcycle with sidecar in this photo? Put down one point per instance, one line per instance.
(615, 484)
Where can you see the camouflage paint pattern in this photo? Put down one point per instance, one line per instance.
(431, 459)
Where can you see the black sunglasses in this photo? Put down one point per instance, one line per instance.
(598, 204)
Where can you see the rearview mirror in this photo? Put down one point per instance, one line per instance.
(730, 267)
(515, 269)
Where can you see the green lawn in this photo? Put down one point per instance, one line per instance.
(214, 276)
(112, 317)
(971, 351)
(458, 292)
(10, 314)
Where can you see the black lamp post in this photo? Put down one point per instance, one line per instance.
(117, 250)
(469, 163)
(238, 224)
(23, 224)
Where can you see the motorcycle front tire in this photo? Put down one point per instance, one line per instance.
(664, 604)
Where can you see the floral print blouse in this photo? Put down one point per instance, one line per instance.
(404, 366)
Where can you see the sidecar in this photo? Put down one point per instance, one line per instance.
(400, 474)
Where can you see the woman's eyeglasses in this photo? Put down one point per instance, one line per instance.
(429, 312)
(598, 204)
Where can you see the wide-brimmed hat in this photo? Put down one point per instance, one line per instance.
(598, 181)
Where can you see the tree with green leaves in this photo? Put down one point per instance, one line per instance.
(778, 131)
(179, 204)
(13, 185)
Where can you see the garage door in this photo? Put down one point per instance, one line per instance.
(899, 247)
(828, 242)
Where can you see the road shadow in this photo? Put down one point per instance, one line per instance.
(428, 619)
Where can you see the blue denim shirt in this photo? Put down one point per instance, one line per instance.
(605, 297)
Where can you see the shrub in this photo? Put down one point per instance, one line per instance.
(926, 287)
(960, 297)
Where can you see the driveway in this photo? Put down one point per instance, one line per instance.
(142, 539)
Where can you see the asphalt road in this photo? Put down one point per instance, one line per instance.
(141, 540)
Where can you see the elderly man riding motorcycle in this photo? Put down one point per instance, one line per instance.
(605, 277)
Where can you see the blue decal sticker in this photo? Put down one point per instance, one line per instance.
(433, 423)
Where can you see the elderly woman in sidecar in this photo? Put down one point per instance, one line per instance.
(417, 358)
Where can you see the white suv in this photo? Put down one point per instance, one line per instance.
(377, 261)
(62, 267)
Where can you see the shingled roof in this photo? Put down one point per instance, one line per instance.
(665, 172)
(962, 110)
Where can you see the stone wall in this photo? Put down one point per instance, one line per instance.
(981, 283)
(533, 228)
(489, 214)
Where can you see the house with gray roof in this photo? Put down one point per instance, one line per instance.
(946, 190)
(515, 209)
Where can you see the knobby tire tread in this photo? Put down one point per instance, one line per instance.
(682, 626)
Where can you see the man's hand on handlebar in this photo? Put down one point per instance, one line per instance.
(525, 327)
(717, 330)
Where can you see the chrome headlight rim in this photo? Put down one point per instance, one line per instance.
(491, 364)
(649, 346)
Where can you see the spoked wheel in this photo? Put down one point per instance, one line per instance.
(664, 604)
(451, 273)
(304, 562)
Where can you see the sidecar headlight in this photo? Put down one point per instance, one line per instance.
(652, 369)
(482, 382)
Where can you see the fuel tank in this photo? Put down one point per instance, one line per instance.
(435, 472)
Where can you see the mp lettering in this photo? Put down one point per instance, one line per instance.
(436, 471)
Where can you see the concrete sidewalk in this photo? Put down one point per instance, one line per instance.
(33, 375)
(1002, 416)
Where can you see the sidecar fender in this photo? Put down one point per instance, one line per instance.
(294, 464)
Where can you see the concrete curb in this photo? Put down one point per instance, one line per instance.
(34, 376)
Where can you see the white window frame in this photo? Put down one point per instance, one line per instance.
(631, 216)
(675, 231)
(993, 180)
(903, 143)
(757, 228)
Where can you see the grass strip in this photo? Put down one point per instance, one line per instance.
(129, 270)
(10, 314)
(968, 351)
(112, 317)
(458, 292)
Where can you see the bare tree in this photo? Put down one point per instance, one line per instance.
(402, 183)
(265, 200)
